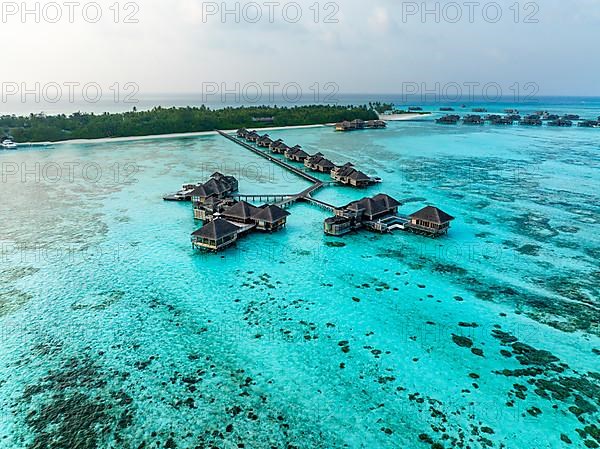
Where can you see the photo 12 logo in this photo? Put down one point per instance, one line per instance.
(469, 12)
(69, 91)
(269, 12)
(269, 92)
(469, 91)
(68, 12)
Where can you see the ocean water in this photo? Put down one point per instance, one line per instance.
(116, 334)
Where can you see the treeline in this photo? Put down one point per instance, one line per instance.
(41, 128)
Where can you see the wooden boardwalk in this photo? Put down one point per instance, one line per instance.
(285, 200)
(263, 197)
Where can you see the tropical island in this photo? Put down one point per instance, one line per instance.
(55, 128)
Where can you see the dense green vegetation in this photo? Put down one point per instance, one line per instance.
(41, 128)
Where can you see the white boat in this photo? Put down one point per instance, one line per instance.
(8, 144)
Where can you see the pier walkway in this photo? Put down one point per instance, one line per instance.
(271, 158)
(284, 200)
(277, 197)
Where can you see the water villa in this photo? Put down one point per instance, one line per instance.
(215, 236)
(532, 120)
(561, 122)
(347, 174)
(500, 120)
(296, 154)
(319, 163)
(241, 212)
(376, 124)
(278, 147)
(589, 124)
(218, 186)
(252, 136)
(211, 207)
(270, 218)
(359, 124)
(227, 217)
(380, 214)
(224, 228)
(473, 120)
(362, 213)
(430, 221)
(448, 119)
(264, 142)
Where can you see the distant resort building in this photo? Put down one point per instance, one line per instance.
(360, 124)
(263, 119)
(347, 174)
(319, 163)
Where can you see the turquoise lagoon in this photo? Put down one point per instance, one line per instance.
(116, 334)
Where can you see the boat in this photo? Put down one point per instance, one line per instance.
(8, 144)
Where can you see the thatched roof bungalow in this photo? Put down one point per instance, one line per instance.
(431, 221)
(215, 236)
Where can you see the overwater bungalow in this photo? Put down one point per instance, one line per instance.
(319, 163)
(375, 124)
(473, 120)
(561, 123)
(215, 236)
(589, 124)
(495, 119)
(270, 218)
(278, 147)
(343, 126)
(367, 212)
(448, 120)
(571, 117)
(211, 207)
(218, 186)
(242, 132)
(252, 136)
(532, 120)
(241, 212)
(430, 221)
(264, 141)
(347, 174)
(296, 154)
(358, 123)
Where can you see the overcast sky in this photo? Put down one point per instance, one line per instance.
(363, 46)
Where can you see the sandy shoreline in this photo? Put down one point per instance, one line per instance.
(394, 118)
(161, 136)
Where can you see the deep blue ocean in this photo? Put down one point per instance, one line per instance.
(117, 334)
